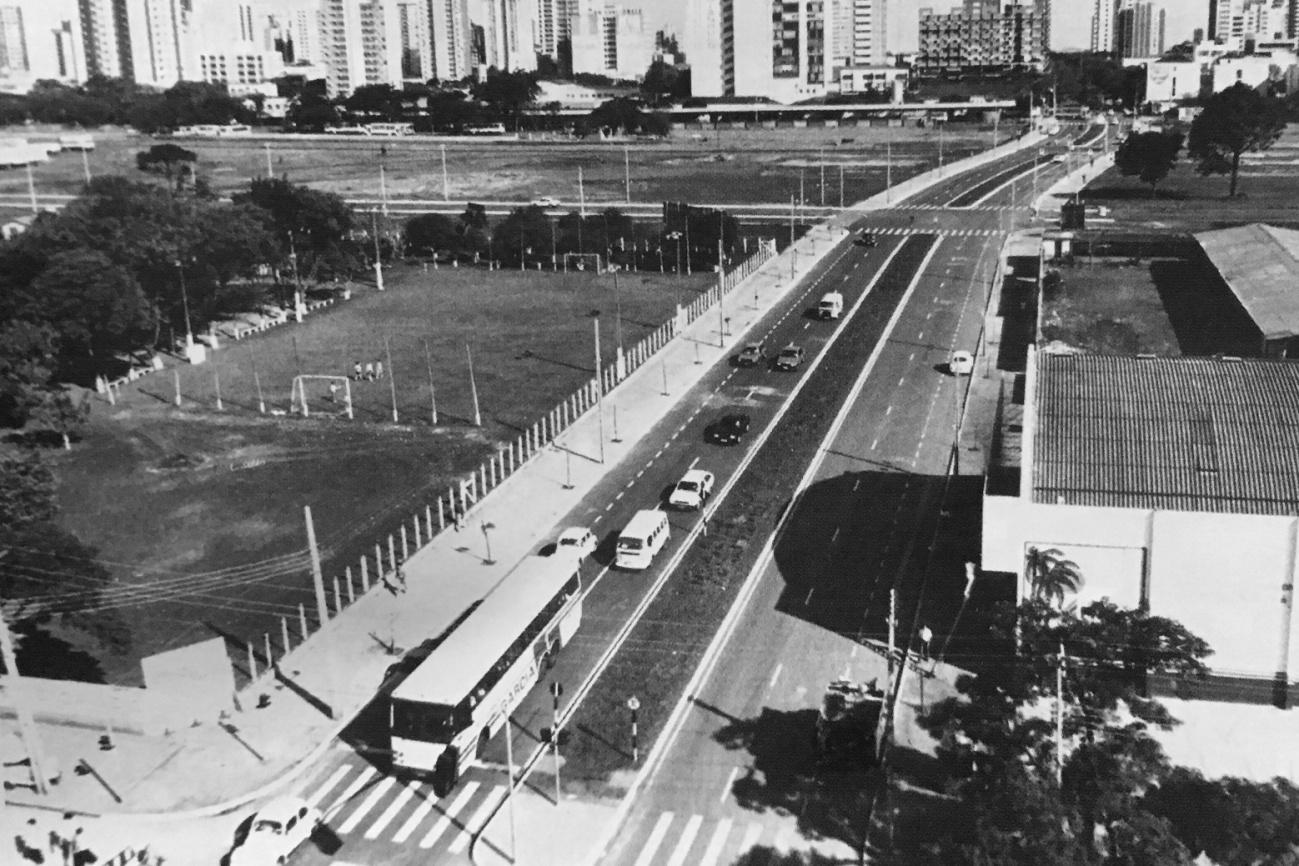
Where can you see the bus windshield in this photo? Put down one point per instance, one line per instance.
(429, 723)
(630, 544)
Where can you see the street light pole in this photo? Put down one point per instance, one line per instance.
(617, 311)
(184, 301)
(446, 188)
(599, 386)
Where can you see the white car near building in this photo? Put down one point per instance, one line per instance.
(692, 490)
(277, 829)
(577, 539)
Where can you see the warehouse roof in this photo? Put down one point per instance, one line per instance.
(1190, 434)
(1260, 264)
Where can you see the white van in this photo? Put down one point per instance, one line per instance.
(643, 537)
(831, 306)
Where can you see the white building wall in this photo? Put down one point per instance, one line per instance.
(42, 40)
(452, 38)
(1169, 81)
(1251, 69)
(155, 28)
(702, 43)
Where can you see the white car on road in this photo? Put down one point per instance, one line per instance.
(961, 364)
(546, 201)
(276, 830)
(577, 539)
(692, 490)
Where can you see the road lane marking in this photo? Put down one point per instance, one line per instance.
(319, 794)
(687, 839)
(693, 463)
(390, 814)
(621, 494)
(484, 812)
(807, 601)
(367, 804)
(714, 850)
(835, 537)
(888, 410)
(608, 507)
(726, 788)
(358, 783)
(416, 818)
(655, 840)
(775, 675)
(873, 444)
(751, 836)
(442, 823)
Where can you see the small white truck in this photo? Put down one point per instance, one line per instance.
(831, 306)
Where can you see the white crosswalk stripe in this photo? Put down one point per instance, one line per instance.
(714, 849)
(442, 823)
(416, 818)
(751, 836)
(686, 839)
(367, 773)
(328, 785)
(376, 794)
(394, 809)
(461, 842)
(655, 839)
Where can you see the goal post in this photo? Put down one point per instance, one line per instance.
(324, 388)
(584, 262)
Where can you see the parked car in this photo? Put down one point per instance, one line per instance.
(865, 239)
(546, 201)
(578, 539)
(961, 364)
(276, 830)
(692, 491)
(751, 355)
(728, 430)
(790, 358)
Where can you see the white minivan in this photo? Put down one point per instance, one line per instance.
(831, 306)
(641, 539)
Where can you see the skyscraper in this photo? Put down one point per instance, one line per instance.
(416, 40)
(452, 39)
(553, 22)
(509, 34)
(708, 46)
(104, 31)
(13, 40)
(1102, 30)
(154, 29)
(611, 41)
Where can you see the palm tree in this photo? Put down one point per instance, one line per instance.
(1052, 576)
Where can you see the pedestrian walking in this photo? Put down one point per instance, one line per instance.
(460, 518)
(388, 584)
(378, 369)
(356, 371)
(369, 371)
(401, 578)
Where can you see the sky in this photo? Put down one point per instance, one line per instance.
(1070, 19)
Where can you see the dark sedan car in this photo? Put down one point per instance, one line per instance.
(790, 358)
(865, 239)
(728, 430)
(752, 355)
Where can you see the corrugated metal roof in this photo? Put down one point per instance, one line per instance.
(1192, 434)
(1260, 264)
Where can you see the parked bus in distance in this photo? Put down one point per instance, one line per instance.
(486, 129)
(390, 129)
(77, 141)
(347, 130)
(233, 129)
(442, 716)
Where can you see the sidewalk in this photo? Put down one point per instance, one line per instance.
(211, 770)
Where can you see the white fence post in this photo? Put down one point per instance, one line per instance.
(405, 547)
(351, 593)
(365, 575)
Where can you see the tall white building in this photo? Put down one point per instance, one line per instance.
(1104, 13)
(416, 40)
(786, 49)
(154, 33)
(361, 43)
(452, 39)
(231, 43)
(510, 34)
(708, 46)
(107, 46)
(553, 22)
(14, 56)
(611, 41)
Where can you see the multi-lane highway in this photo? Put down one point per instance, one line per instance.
(863, 527)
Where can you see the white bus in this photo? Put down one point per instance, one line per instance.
(643, 537)
(442, 715)
(390, 129)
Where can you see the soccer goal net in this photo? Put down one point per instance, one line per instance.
(324, 395)
(583, 262)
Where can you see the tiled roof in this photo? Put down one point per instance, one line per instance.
(1260, 264)
(1188, 434)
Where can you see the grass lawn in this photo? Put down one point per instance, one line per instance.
(1188, 202)
(198, 512)
(738, 166)
(1108, 306)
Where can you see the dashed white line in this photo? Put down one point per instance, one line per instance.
(621, 494)
(693, 463)
(609, 507)
(807, 601)
(873, 445)
(835, 537)
(730, 780)
(775, 675)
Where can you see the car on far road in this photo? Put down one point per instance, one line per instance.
(961, 364)
(692, 491)
(546, 201)
(751, 355)
(577, 539)
(728, 430)
(865, 239)
(790, 358)
(276, 830)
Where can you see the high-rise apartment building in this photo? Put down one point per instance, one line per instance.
(231, 43)
(13, 40)
(1104, 13)
(708, 44)
(510, 34)
(1139, 29)
(1012, 38)
(154, 33)
(611, 41)
(416, 40)
(40, 39)
(554, 19)
(107, 45)
(453, 54)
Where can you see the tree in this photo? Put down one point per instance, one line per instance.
(186, 103)
(1149, 156)
(523, 235)
(508, 92)
(62, 414)
(1052, 576)
(27, 362)
(166, 159)
(616, 115)
(1232, 821)
(375, 101)
(428, 233)
(1232, 122)
(305, 222)
(311, 112)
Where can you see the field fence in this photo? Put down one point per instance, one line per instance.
(383, 566)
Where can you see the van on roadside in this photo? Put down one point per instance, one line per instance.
(642, 538)
(831, 306)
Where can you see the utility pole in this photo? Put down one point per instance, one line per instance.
(317, 576)
(432, 392)
(581, 193)
(85, 164)
(1059, 717)
(822, 161)
(721, 296)
(599, 386)
(392, 378)
(383, 189)
(378, 266)
(446, 187)
(473, 387)
(888, 169)
(893, 628)
(626, 172)
(840, 187)
(31, 189)
(270, 170)
(26, 719)
(791, 220)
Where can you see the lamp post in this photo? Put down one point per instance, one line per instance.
(621, 364)
(184, 302)
(487, 540)
(676, 236)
